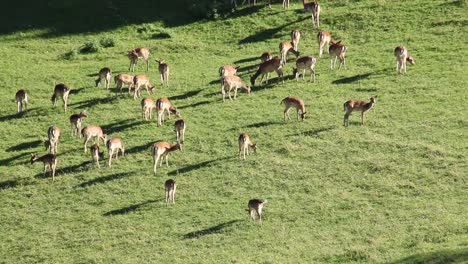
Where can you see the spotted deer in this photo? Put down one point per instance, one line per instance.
(401, 55)
(170, 186)
(139, 81)
(358, 105)
(323, 38)
(161, 150)
(273, 65)
(265, 56)
(114, 145)
(96, 154)
(228, 70)
(180, 127)
(244, 144)
(255, 207)
(61, 90)
(295, 37)
(294, 102)
(286, 47)
(49, 161)
(122, 79)
(105, 75)
(164, 105)
(314, 8)
(305, 63)
(337, 50)
(21, 98)
(93, 132)
(229, 83)
(53, 137)
(163, 72)
(75, 122)
(136, 54)
(147, 106)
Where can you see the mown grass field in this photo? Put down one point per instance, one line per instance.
(392, 191)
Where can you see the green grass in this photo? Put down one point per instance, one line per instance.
(392, 191)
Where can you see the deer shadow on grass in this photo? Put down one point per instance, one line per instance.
(8, 161)
(210, 230)
(352, 79)
(137, 149)
(436, 257)
(8, 184)
(104, 179)
(314, 132)
(77, 90)
(185, 95)
(129, 209)
(120, 126)
(84, 166)
(258, 125)
(271, 33)
(196, 166)
(195, 104)
(25, 145)
(95, 101)
(30, 112)
(248, 60)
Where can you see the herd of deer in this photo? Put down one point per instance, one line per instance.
(229, 81)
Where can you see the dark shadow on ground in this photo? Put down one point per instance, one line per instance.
(77, 90)
(352, 79)
(314, 132)
(196, 166)
(25, 145)
(137, 149)
(120, 126)
(8, 184)
(210, 230)
(8, 161)
(436, 257)
(270, 33)
(128, 209)
(185, 95)
(92, 102)
(84, 166)
(194, 104)
(104, 179)
(257, 59)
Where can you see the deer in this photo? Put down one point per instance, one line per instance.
(139, 81)
(273, 65)
(49, 161)
(228, 70)
(401, 55)
(255, 207)
(244, 144)
(53, 137)
(337, 50)
(161, 150)
(323, 38)
(147, 106)
(122, 79)
(286, 47)
(75, 122)
(314, 8)
(96, 154)
(114, 145)
(164, 105)
(163, 72)
(295, 37)
(61, 90)
(180, 127)
(305, 63)
(104, 75)
(21, 98)
(229, 83)
(139, 53)
(170, 186)
(265, 56)
(294, 102)
(357, 105)
(92, 132)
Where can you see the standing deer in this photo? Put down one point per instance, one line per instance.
(164, 105)
(337, 50)
(163, 72)
(294, 102)
(114, 145)
(122, 79)
(273, 65)
(305, 63)
(61, 90)
(147, 106)
(180, 131)
(357, 105)
(160, 150)
(265, 56)
(255, 208)
(295, 37)
(401, 55)
(93, 132)
(75, 122)
(314, 8)
(228, 70)
(323, 38)
(170, 186)
(104, 75)
(139, 81)
(95, 154)
(53, 137)
(244, 144)
(49, 161)
(232, 82)
(136, 54)
(286, 47)
(21, 98)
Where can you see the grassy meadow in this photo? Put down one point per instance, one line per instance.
(392, 191)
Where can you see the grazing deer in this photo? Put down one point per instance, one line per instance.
(96, 155)
(295, 37)
(337, 50)
(164, 105)
(49, 161)
(265, 56)
(233, 82)
(122, 79)
(139, 81)
(228, 70)
(273, 65)
(53, 137)
(314, 8)
(61, 90)
(244, 144)
(286, 47)
(161, 150)
(170, 186)
(305, 63)
(21, 98)
(180, 131)
(114, 145)
(163, 72)
(358, 105)
(147, 106)
(294, 102)
(93, 132)
(136, 54)
(401, 55)
(75, 122)
(323, 38)
(255, 208)
(104, 75)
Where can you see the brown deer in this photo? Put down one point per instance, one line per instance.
(96, 154)
(160, 150)
(164, 105)
(122, 79)
(105, 75)
(170, 186)
(358, 105)
(244, 144)
(401, 55)
(75, 122)
(286, 47)
(93, 132)
(337, 50)
(114, 145)
(139, 81)
(147, 106)
(305, 63)
(163, 72)
(273, 65)
(255, 208)
(314, 8)
(229, 83)
(136, 54)
(323, 38)
(294, 102)
(295, 37)
(180, 127)
(53, 137)
(49, 161)
(61, 90)
(228, 70)
(21, 98)
(265, 56)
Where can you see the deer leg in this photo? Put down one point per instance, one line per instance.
(162, 79)
(86, 143)
(167, 163)
(362, 118)
(155, 160)
(346, 120)
(111, 152)
(259, 216)
(167, 197)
